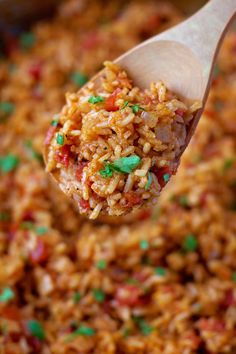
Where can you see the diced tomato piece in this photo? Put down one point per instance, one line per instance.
(159, 172)
(28, 216)
(84, 204)
(11, 45)
(110, 101)
(147, 100)
(110, 104)
(35, 70)
(39, 254)
(51, 131)
(11, 312)
(79, 170)
(211, 325)
(35, 344)
(128, 295)
(180, 112)
(132, 199)
(229, 299)
(62, 155)
(144, 214)
(90, 41)
(140, 276)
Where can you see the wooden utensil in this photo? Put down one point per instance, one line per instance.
(183, 57)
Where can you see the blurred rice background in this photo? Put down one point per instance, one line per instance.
(15, 13)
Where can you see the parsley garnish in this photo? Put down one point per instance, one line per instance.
(81, 331)
(166, 177)
(190, 243)
(8, 163)
(76, 297)
(6, 109)
(160, 271)
(7, 295)
(95, 99)
(36, 329)
(27, 40)
(60, 139)
(122, 165)
(144, 245)
(79, 79)
(99, 295)
(101, 264)
(144, 327)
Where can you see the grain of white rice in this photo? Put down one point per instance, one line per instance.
(113, 184)
(95, 211)
(127, 120)
(129, 183)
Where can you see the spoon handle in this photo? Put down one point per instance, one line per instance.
(203, 32)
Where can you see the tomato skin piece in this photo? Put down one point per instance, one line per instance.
(62, 155)
(39, 254)
(84, 204)
(35, 70)
(159, 173)
(132, 199)
(11, 312)
(51, 131)
(110, 104)
(79, 170)
(110, 101)
(128, 295)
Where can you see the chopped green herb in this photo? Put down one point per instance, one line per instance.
(54, 123)
(126, 164)
(122, 165)
(36, 329)
(81, 331)
(144, 245)
(166, 177)
(190, 243)
(183, 201)
(60, 139)
(8, 163)
(6, 109)
(234, 276)
(107, 171)
(135, 108)
(95, 99)
(228, 163)
(4, 216)
(41, 230)
(79, 79)
(144, 327)
(125, 104)
(160, 271)
(126, 332)
(7, 295)
(27, 40)
(99, 295)
(149, 182)
(76, 297)
(102, 264)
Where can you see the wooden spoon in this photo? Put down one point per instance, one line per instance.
(183, 57)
